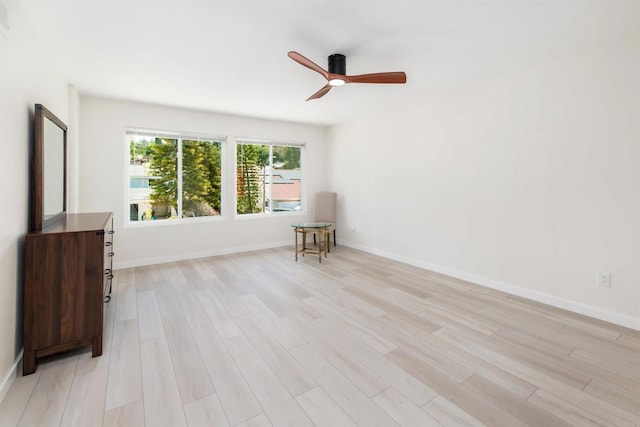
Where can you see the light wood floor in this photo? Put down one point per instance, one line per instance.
(257, 339)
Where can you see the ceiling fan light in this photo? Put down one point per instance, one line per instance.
(336, 82)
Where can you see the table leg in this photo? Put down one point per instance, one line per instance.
(304, 240)
(295, 235)
(326, 242)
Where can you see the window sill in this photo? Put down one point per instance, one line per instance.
(244, 217)
(179, 222)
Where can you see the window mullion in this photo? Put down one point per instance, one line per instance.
(271, 178)
(179, 176)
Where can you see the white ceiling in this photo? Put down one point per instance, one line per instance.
(231, 56)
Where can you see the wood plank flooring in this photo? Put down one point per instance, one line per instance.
(256, 339)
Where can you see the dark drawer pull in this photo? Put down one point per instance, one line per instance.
(110, 254)
(107, 271)
(110, 276)
(111, 232)
(108, 244)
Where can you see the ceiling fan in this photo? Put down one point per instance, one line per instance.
(337, 74)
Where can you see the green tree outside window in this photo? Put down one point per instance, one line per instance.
(154, 160)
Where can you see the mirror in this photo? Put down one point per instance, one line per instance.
(49, 178)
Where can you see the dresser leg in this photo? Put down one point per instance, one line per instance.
(29, 362)
(96, 346)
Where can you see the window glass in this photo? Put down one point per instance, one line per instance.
(173, 177)
(268, 178)
(285, 179)
(201, 178)
(251, 163)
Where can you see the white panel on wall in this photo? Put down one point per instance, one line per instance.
(28, 75)
(4, 20)
(529, 182)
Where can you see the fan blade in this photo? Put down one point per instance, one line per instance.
(308, 63)
(394, 77)
(322, 92)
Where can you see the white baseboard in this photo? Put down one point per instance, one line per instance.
(6, 382)
(574, 306)
(195, 255)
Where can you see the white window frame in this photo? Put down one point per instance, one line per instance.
(179, 136)
(271, 143)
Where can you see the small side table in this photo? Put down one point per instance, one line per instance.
(322, 228)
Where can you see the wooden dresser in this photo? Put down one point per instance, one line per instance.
(68, 272)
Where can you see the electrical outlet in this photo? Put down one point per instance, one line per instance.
(604, 279)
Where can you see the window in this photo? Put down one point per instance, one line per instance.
(173, 176)
(268, 176)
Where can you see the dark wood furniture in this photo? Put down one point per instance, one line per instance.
(68, 271)
(48, 169)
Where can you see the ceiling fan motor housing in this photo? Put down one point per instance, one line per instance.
(338, 64)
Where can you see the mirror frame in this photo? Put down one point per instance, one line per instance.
(38, 220)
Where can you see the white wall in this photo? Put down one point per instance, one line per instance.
(103, 158)
(27, 76)
(528, 183)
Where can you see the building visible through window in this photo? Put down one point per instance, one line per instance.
(269, 177)
(173, 176)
